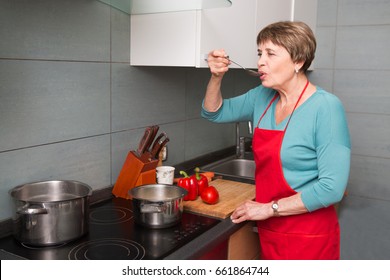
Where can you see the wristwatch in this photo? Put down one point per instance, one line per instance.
(275, 207)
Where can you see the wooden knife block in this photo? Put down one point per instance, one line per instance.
(135, 172)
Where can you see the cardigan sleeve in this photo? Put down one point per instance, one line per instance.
(333, 157)
(237, 109)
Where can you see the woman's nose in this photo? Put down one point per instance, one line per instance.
(260, 61)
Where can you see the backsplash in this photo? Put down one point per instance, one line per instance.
(71, 106)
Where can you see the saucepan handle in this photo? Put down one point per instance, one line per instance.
(31, 211)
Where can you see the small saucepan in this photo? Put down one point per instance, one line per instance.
(157, 205)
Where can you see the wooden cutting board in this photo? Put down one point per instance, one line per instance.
(231, 195)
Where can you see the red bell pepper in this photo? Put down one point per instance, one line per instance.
(202, 180)
(190, 184)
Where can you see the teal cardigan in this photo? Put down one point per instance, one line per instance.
(316, 148)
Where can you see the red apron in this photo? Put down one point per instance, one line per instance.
(308, 236)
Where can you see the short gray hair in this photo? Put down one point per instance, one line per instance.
(295, 36)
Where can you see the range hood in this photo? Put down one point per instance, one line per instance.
(135, 7)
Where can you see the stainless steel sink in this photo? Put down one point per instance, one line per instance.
(233, 167)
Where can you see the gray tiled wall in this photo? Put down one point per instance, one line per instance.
(353, 61)
(71, 107)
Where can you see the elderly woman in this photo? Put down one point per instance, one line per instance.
(301, 145)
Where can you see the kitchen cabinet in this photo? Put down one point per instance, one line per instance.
(244, 244)
(184, 38)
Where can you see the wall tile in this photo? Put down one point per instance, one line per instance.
(64, 30)
(363, 47)
(369, 177)
(326, 13)
(49, 101)
(365, 230)
(203, 137)
(86, 160)
(143, 96)
(120, 33)
(196, 84)
(242, 82)
(324, 57)
(370, 134)
(364, 91)
(322, 78)
(363, 12)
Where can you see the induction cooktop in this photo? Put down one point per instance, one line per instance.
(113, 235)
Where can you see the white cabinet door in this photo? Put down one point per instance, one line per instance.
(231, 29)
(185, 38)
(306, 11)
(268, 12)
(163, 39)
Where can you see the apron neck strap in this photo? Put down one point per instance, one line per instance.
(296, 104)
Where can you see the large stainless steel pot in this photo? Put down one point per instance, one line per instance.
(50, 212)
(157, 205)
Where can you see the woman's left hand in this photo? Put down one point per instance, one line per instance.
(251, 210)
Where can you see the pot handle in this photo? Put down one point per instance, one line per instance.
(31, 211)
(153, 207)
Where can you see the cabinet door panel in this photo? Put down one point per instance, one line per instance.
(163, 39)
(268, 12)
(231, 29)
(272, 11)
(306, 11)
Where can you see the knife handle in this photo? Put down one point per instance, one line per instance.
(158, 146)
(144, 141)
(154, 129)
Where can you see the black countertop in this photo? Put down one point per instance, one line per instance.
(202, 244)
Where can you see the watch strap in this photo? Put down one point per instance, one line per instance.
(275, 208)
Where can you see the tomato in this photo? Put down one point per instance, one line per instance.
(210, 195)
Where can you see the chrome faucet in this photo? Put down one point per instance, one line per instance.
(240, 140)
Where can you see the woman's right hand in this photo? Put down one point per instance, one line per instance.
(218, 62)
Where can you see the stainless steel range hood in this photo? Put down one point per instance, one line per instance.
(135, 7)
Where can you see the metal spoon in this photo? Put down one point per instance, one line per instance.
(249, 71)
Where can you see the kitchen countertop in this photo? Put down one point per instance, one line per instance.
(199, 245)
(202, 244)
(219, 233)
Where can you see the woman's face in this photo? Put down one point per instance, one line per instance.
(275, 66)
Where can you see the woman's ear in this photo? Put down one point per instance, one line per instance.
(298, 66)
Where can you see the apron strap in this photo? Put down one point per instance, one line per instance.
(296, 104)
(266, 109)
(274, 98)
